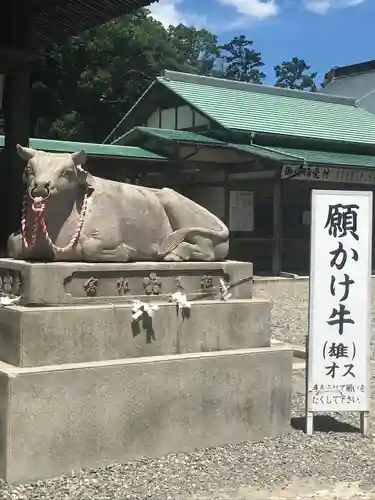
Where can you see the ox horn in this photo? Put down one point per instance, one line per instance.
(25, 153)
(79, 158)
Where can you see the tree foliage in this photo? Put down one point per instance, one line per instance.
(82, 89)
(241, 61)
(294, 75)
(196, 48)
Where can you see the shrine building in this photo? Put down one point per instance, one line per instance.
(252, 154)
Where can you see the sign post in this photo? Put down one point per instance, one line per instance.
(338, 349)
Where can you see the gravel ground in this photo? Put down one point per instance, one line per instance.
(328, 465)
(256, 471)
(289, 317)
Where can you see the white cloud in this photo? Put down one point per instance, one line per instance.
(322, 6)
(169, 12)
(260, 9)
(318, 6)
(173, 12)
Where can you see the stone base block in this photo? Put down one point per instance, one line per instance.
(56, 283)
(35, 336)
(61, 418)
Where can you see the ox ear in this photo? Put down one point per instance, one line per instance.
(79, 158)
(85, 179)
(25, 153)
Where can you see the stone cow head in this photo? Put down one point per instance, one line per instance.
(47, 174)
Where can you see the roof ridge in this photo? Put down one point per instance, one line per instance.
(253, 87)
(275, 150)
(349, 70)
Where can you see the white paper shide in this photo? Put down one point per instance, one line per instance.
(340, 301)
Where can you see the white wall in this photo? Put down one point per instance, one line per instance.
(153, 119)
(185, 118)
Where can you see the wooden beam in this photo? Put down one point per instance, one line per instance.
(13, 59)
(277, 224)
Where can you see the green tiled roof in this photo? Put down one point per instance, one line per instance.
(271, 153)
(289, 155)
(280, 155)
(178, 135)
(330, 158)
(271, 110)
(108, 150)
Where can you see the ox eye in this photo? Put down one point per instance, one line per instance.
(66, 173)
(28, 171)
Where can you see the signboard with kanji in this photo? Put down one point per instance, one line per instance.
(328, 174)
(340, 301)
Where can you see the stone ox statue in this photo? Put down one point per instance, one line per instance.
(70, 215)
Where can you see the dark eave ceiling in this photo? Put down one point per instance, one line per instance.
(55, 20)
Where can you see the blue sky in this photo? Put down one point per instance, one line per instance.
(325, 33)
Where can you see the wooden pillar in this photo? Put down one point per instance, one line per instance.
(277, 224)
(16, 112)
(226, 199)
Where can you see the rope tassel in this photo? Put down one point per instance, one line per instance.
(38, 209)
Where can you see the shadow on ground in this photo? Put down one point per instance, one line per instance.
(324, 423)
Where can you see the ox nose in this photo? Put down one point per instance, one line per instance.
(40, 189)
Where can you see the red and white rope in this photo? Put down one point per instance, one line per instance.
(38, 208)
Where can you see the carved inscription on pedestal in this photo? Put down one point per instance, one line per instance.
(91, 287)
(11, 282)
(122, 285)
(179, 284)
(206, 282)
(152, 284)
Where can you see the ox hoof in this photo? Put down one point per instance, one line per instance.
(173, 257)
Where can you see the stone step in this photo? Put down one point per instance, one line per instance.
(57, 419)
(299, 351)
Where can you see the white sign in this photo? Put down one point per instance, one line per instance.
(328, 174)
(241, 214)
(340, 301)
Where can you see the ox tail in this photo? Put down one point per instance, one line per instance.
(174, 239)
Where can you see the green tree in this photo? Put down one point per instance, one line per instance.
(241, 61)
(196, 48)
(83, 88)
(294, 75)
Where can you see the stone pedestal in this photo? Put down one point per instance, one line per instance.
(83, 385)
(59, 283)
(36, 336)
